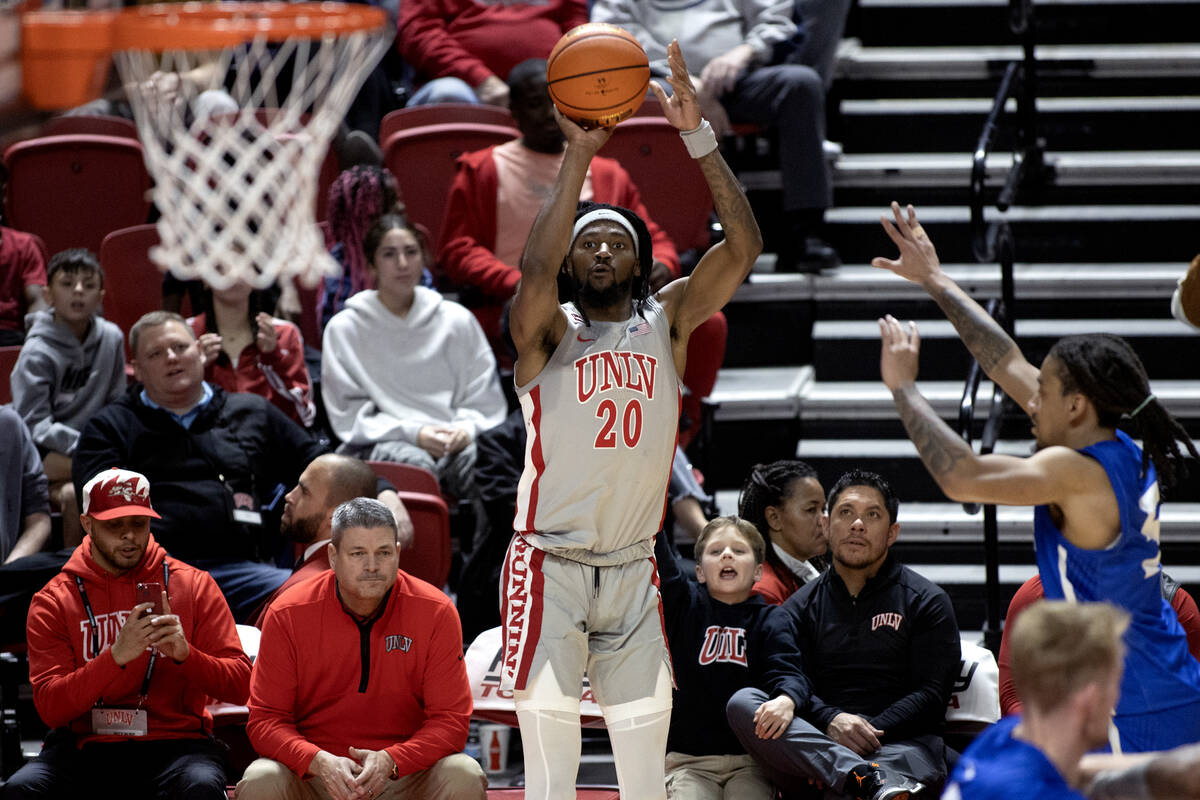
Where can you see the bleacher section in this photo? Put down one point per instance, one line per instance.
(1101, 251)
(1100, 248)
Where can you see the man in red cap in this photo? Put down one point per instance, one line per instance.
(126, 644)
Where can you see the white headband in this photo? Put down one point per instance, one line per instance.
(605, 214)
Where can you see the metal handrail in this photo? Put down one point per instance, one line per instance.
(992, 242)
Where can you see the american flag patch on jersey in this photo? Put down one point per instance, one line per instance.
(641, 329)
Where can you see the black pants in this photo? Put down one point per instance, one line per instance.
(160, 768)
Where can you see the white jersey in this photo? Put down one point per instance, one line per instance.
(602, 419)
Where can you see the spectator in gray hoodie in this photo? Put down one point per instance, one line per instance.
(72, 365)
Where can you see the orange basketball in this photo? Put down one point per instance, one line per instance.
(597, 74)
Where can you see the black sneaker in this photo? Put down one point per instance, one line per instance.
(869, 781)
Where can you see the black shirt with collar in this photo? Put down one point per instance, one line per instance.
(890, 654)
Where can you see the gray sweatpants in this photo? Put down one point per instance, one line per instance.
(803, 752)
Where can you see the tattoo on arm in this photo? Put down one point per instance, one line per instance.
(982, 335)
(940, 448)
(732, 206)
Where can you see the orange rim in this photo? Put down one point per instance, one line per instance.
(208, 26)
(195, 25)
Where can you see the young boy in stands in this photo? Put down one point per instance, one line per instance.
(723, 639)
(72, 365)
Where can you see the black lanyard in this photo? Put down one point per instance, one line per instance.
(87, 607)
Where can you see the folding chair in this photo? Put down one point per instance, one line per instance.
(424, 161)
(72, 190)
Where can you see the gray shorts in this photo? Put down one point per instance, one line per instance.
(606, 621)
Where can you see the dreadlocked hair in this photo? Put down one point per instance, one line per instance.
(568, 287)
(768, 485)
(1107, 371)
(358, 197)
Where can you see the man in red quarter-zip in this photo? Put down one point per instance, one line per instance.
(359, 690)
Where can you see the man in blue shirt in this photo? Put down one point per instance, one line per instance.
(1096, 528)
(1066, 665)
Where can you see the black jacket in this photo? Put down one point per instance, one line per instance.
(890, 655)
(240, 448)
(717, 649)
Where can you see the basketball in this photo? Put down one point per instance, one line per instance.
(597, 74)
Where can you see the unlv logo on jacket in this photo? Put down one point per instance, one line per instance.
(723, 644)
(891, 619)
(109, 626)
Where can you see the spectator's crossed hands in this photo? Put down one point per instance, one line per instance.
(338, 774)
(772, 718)
(376, 771)
(851, 730)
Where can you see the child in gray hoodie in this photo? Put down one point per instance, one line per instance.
(72, 365)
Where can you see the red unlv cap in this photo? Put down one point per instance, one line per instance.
(118, 493)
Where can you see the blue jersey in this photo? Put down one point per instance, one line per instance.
(1160, 673)
(998, 766)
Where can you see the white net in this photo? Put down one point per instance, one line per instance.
(235, 139)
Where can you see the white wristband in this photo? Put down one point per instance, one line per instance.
(701, 141)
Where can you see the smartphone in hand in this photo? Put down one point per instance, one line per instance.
(151, 593)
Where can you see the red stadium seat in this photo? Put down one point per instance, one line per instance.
(429, 556)
(98, 124)
(8, 360)
(132, 281)
(407, 477)
(443, 114)
(424, 162)
(72, 190)
(671, 185)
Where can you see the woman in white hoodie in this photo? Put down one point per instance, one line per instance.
(407, 375)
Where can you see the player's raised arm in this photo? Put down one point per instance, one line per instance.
(536, 323)
(690, 301)
(994, 349)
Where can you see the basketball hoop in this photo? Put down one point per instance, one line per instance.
(235, 181)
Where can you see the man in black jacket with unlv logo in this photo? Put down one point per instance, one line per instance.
(881, 647)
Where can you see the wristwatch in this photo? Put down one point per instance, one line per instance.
(395, 771)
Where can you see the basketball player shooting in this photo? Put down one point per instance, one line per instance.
(1096, 529)
(598, 381)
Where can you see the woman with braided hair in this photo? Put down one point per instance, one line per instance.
(785, 501)
(1096, 492)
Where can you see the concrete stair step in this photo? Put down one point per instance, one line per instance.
(977, 21)
(953, 124)
(854, 283)
(1171, 60)
(849, 349)
(1054, 233)
(884, 174)
(771, 317)
(870, 400)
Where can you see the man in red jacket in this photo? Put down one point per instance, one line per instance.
(126, 645)
(360, 690)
